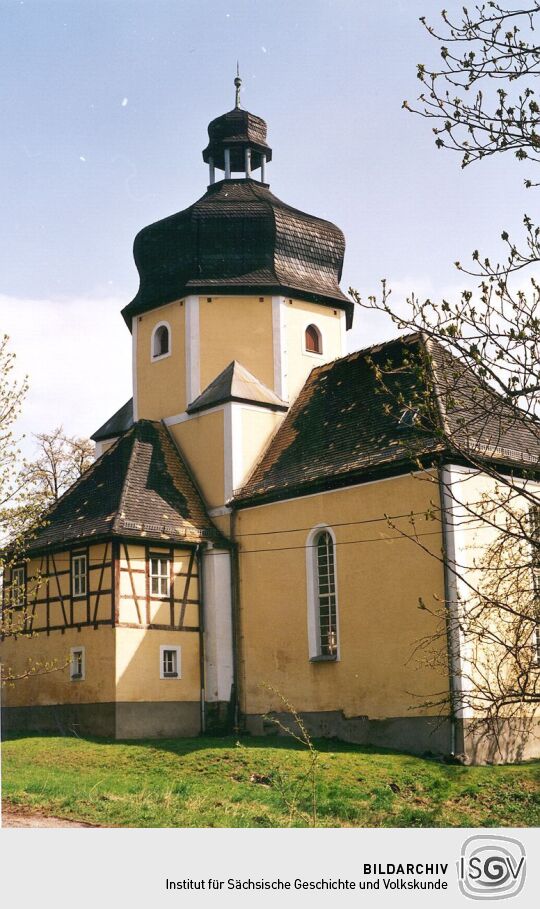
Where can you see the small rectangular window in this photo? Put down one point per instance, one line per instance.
(169, 662)
(159, 576)
(79, 574)
(76, 666)
(18, 586)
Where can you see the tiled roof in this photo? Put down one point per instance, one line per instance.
(120, 422)
(344, 425)
(236, 383)
(239, 238)
(140, 487)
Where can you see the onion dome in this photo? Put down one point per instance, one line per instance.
(239, 238)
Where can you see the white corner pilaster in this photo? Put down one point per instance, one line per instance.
(218, 637)
(279, 335)
(233, 459)
(193, 349)
(134, 324)
(343, 332)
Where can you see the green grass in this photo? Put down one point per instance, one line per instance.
(206, 782)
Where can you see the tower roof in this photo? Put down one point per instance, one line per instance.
(239, 238)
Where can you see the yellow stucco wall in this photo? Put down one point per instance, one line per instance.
(236, 328)
(258, 427)
(138, 666)
(379, 582)
(56, 687)
(299, 315)
(201, 442)
(161, 385)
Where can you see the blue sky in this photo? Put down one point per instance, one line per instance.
(105, 107)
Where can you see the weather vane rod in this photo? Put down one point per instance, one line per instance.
(238, 84)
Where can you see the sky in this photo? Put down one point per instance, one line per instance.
(105, 106)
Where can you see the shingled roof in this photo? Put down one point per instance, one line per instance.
(120, 422)
(140, 487)
(236, 383)
(239, 239)
(346, 426)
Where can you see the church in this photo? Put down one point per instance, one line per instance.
(241, 540)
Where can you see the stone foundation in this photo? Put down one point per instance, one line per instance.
(132, 720)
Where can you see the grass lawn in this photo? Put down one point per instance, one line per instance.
(220, 782)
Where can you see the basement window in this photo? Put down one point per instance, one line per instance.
(159, 576)
(76, 664)
(79, 570)
(169, 662)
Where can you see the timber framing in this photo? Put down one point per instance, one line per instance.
(50, 604)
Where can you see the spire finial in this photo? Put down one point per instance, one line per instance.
(238, 84)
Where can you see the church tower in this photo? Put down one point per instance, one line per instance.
(239, 299)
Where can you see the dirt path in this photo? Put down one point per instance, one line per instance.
(21, 817)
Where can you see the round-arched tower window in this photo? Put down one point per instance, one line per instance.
(313, 340)
(161, 342)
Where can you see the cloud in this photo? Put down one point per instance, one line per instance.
(77, 355)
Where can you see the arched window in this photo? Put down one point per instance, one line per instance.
(313, 340)
(322, 595)
(161, 340)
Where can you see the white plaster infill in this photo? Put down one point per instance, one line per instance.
(193, 349)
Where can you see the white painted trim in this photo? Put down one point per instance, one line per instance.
(326, 492)
(134, 323)
(184, 417)
(170, 678)
(162, 324)
(218, 633)
(279, 338)
(343, 331)
(193, 349)
(233, 456)
(454, 545)
(312, 598)
(82, 651)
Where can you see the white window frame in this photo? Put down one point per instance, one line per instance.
(159, 576)
(174, 648)
(73, 676)
(155, 357)
(312, 578)
(18, 586)
(76, 579)
(312, 353)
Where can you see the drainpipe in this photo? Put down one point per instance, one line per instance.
(447, 598)
(202, 655)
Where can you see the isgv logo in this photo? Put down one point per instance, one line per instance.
(491, 867)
